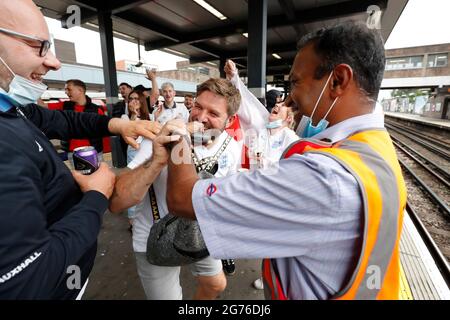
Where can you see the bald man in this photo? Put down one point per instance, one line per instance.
(49, 217)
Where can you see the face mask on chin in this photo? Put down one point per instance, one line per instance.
(305, 128)
(21, 90)
(274, 124)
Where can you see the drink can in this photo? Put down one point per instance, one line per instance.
(85, 160)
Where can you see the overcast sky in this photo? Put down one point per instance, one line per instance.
(423, 22)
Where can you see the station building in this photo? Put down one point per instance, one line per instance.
(423, 68)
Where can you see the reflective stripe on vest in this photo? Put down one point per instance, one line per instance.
(370, 157)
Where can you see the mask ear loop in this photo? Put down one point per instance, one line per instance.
(331, 108)
(321, 94)
(7, 67)
(4, 81)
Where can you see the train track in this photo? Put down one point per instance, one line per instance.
(432, 194)
(431, 166)
(432, 138)
(437, 255)
(425, 161)
(437, 146)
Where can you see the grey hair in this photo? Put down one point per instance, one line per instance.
(167, 84)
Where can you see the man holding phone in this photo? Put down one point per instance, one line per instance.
(49, 218)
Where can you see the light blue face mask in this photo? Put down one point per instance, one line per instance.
(305, 128)
(274, 124)
(21, 90)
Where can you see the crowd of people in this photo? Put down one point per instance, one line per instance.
(309, 183)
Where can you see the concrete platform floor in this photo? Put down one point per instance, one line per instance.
(114, 275)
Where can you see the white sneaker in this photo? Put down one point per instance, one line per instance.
(258, 284)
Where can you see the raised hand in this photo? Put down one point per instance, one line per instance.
(230, 69)
(131, 130)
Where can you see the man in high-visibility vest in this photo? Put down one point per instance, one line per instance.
(329, 222)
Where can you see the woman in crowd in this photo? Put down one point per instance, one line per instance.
(137, 110)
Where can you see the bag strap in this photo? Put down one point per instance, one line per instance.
(153, 204)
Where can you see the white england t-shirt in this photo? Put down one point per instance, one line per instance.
(271, 147)
(228, 163)
(177, 111)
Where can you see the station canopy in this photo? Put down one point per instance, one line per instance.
(191, 29)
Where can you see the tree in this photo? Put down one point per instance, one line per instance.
(407, 93)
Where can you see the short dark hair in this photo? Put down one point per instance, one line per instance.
(223, 88)
(125, 84)
(352, 43)
(271, 98)
(77, 83)
(188, 95)
(141, 88)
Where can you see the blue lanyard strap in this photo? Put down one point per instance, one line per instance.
(5, 103)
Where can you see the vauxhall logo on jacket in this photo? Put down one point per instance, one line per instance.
(20, 267)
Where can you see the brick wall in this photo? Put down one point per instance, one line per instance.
(415, 51)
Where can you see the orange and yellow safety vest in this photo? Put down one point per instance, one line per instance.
(370, 157)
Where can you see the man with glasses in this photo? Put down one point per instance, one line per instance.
(43, 45)
(49, 217)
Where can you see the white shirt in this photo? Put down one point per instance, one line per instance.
(342, 130)
(272, 146)
(229, 162)
(308, 217)
(178, 110)
(253, 117)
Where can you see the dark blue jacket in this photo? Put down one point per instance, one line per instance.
(46, 223)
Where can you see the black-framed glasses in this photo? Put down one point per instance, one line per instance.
(44, 44)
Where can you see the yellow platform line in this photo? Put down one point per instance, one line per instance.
(405, 291)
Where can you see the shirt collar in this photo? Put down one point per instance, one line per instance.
(173, 107)
(346, 128)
